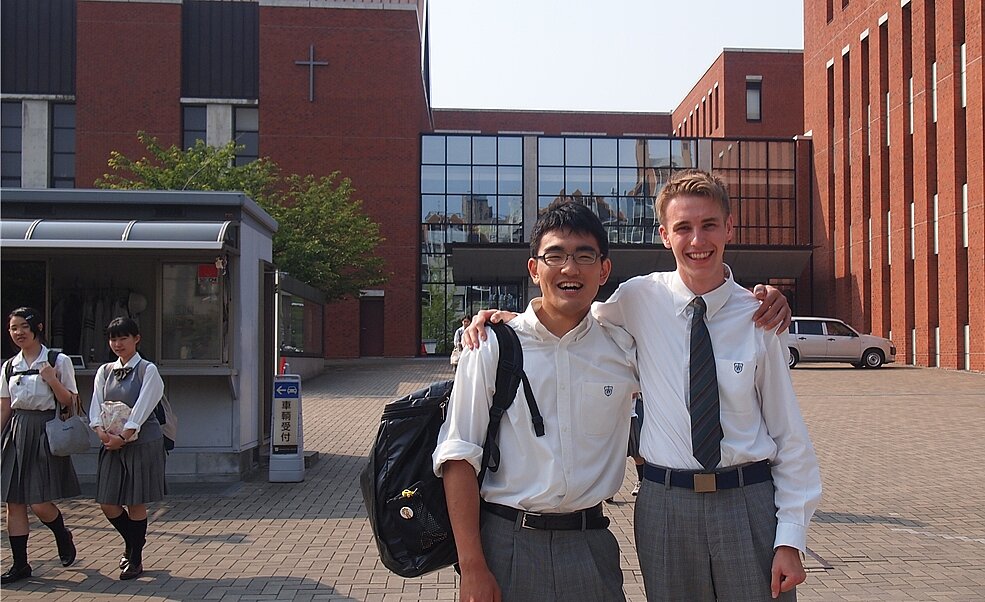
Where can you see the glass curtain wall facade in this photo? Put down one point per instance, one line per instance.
(618, 178)
(761, 177)
(472, 192)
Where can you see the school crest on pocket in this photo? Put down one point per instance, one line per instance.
(738, 367)
(607, 389)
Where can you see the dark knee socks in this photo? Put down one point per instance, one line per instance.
(62, 537)
(122, 524)
(138, 535)
(18, 549)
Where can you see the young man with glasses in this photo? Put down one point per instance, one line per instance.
(543, 536)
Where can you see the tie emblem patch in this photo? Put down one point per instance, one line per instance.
(738, 367)
(607, 390)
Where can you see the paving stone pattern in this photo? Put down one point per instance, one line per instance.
(903, 514)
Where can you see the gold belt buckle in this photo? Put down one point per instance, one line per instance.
(704, 482)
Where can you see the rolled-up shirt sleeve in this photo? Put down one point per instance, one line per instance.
(464, 430)
(796, 474)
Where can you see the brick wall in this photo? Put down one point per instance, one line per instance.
(879, 200)
(128, 78)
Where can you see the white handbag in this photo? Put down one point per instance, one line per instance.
(71, 435)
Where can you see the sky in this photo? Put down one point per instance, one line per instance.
(592, 55)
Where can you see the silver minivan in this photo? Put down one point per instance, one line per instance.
(831, 340)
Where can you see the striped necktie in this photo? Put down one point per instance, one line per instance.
(706, 424)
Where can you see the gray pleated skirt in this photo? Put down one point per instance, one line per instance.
(133, 474)
(30, 473)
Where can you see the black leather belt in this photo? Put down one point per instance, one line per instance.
(709, 482)
(591, 518)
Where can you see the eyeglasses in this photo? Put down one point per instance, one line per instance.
(556, 260)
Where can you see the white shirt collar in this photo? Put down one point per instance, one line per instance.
(714, 299)
(132, 363)
(528, 322)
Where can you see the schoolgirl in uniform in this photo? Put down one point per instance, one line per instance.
(31, 475)
(130, 473)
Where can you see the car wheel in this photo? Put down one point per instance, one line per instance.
(872, 358)
(794, 358)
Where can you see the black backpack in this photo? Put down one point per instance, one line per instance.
(8, 369)
(405, 501)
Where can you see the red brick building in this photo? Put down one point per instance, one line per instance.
(746, 92)
(343, 86)
(895, 110)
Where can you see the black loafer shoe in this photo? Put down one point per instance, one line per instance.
(15, 573)
(132, 571)
(67, 556)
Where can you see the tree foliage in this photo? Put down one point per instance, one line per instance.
(323, 238)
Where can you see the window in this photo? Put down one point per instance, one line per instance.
(246, 132)
(193, 125)
(809, 327)
(717, 109)
(964, 214)
(193, 319)
(62, 146)
(754, 93)
(837, 329)
(472, 191)
(933, 83)
(913, 232)
(964, 75)
(300, 325)
(910, 105)
(10, 142)
(889, 238)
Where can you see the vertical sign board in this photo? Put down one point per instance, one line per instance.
(286, 431)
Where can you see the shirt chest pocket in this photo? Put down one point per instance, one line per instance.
(602, 406)
(736, 379)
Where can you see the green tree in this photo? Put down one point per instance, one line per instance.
(324, 239)
(439, 318)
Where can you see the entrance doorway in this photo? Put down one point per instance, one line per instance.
(371, 327)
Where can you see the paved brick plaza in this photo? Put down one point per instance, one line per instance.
(903, 515)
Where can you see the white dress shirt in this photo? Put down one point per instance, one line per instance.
(30, 392)
(151, 391)
(761, 418)
(583, 383)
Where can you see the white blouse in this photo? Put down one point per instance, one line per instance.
(29, 391)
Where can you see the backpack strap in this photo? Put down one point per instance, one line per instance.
(8, 367)
(509, 376)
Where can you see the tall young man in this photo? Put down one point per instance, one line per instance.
(731, 480)
(535, 531)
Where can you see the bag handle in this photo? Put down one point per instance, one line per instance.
(74, 409)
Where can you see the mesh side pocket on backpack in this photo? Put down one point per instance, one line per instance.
(420, 515)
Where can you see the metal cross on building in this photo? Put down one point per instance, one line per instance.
(311, 63)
